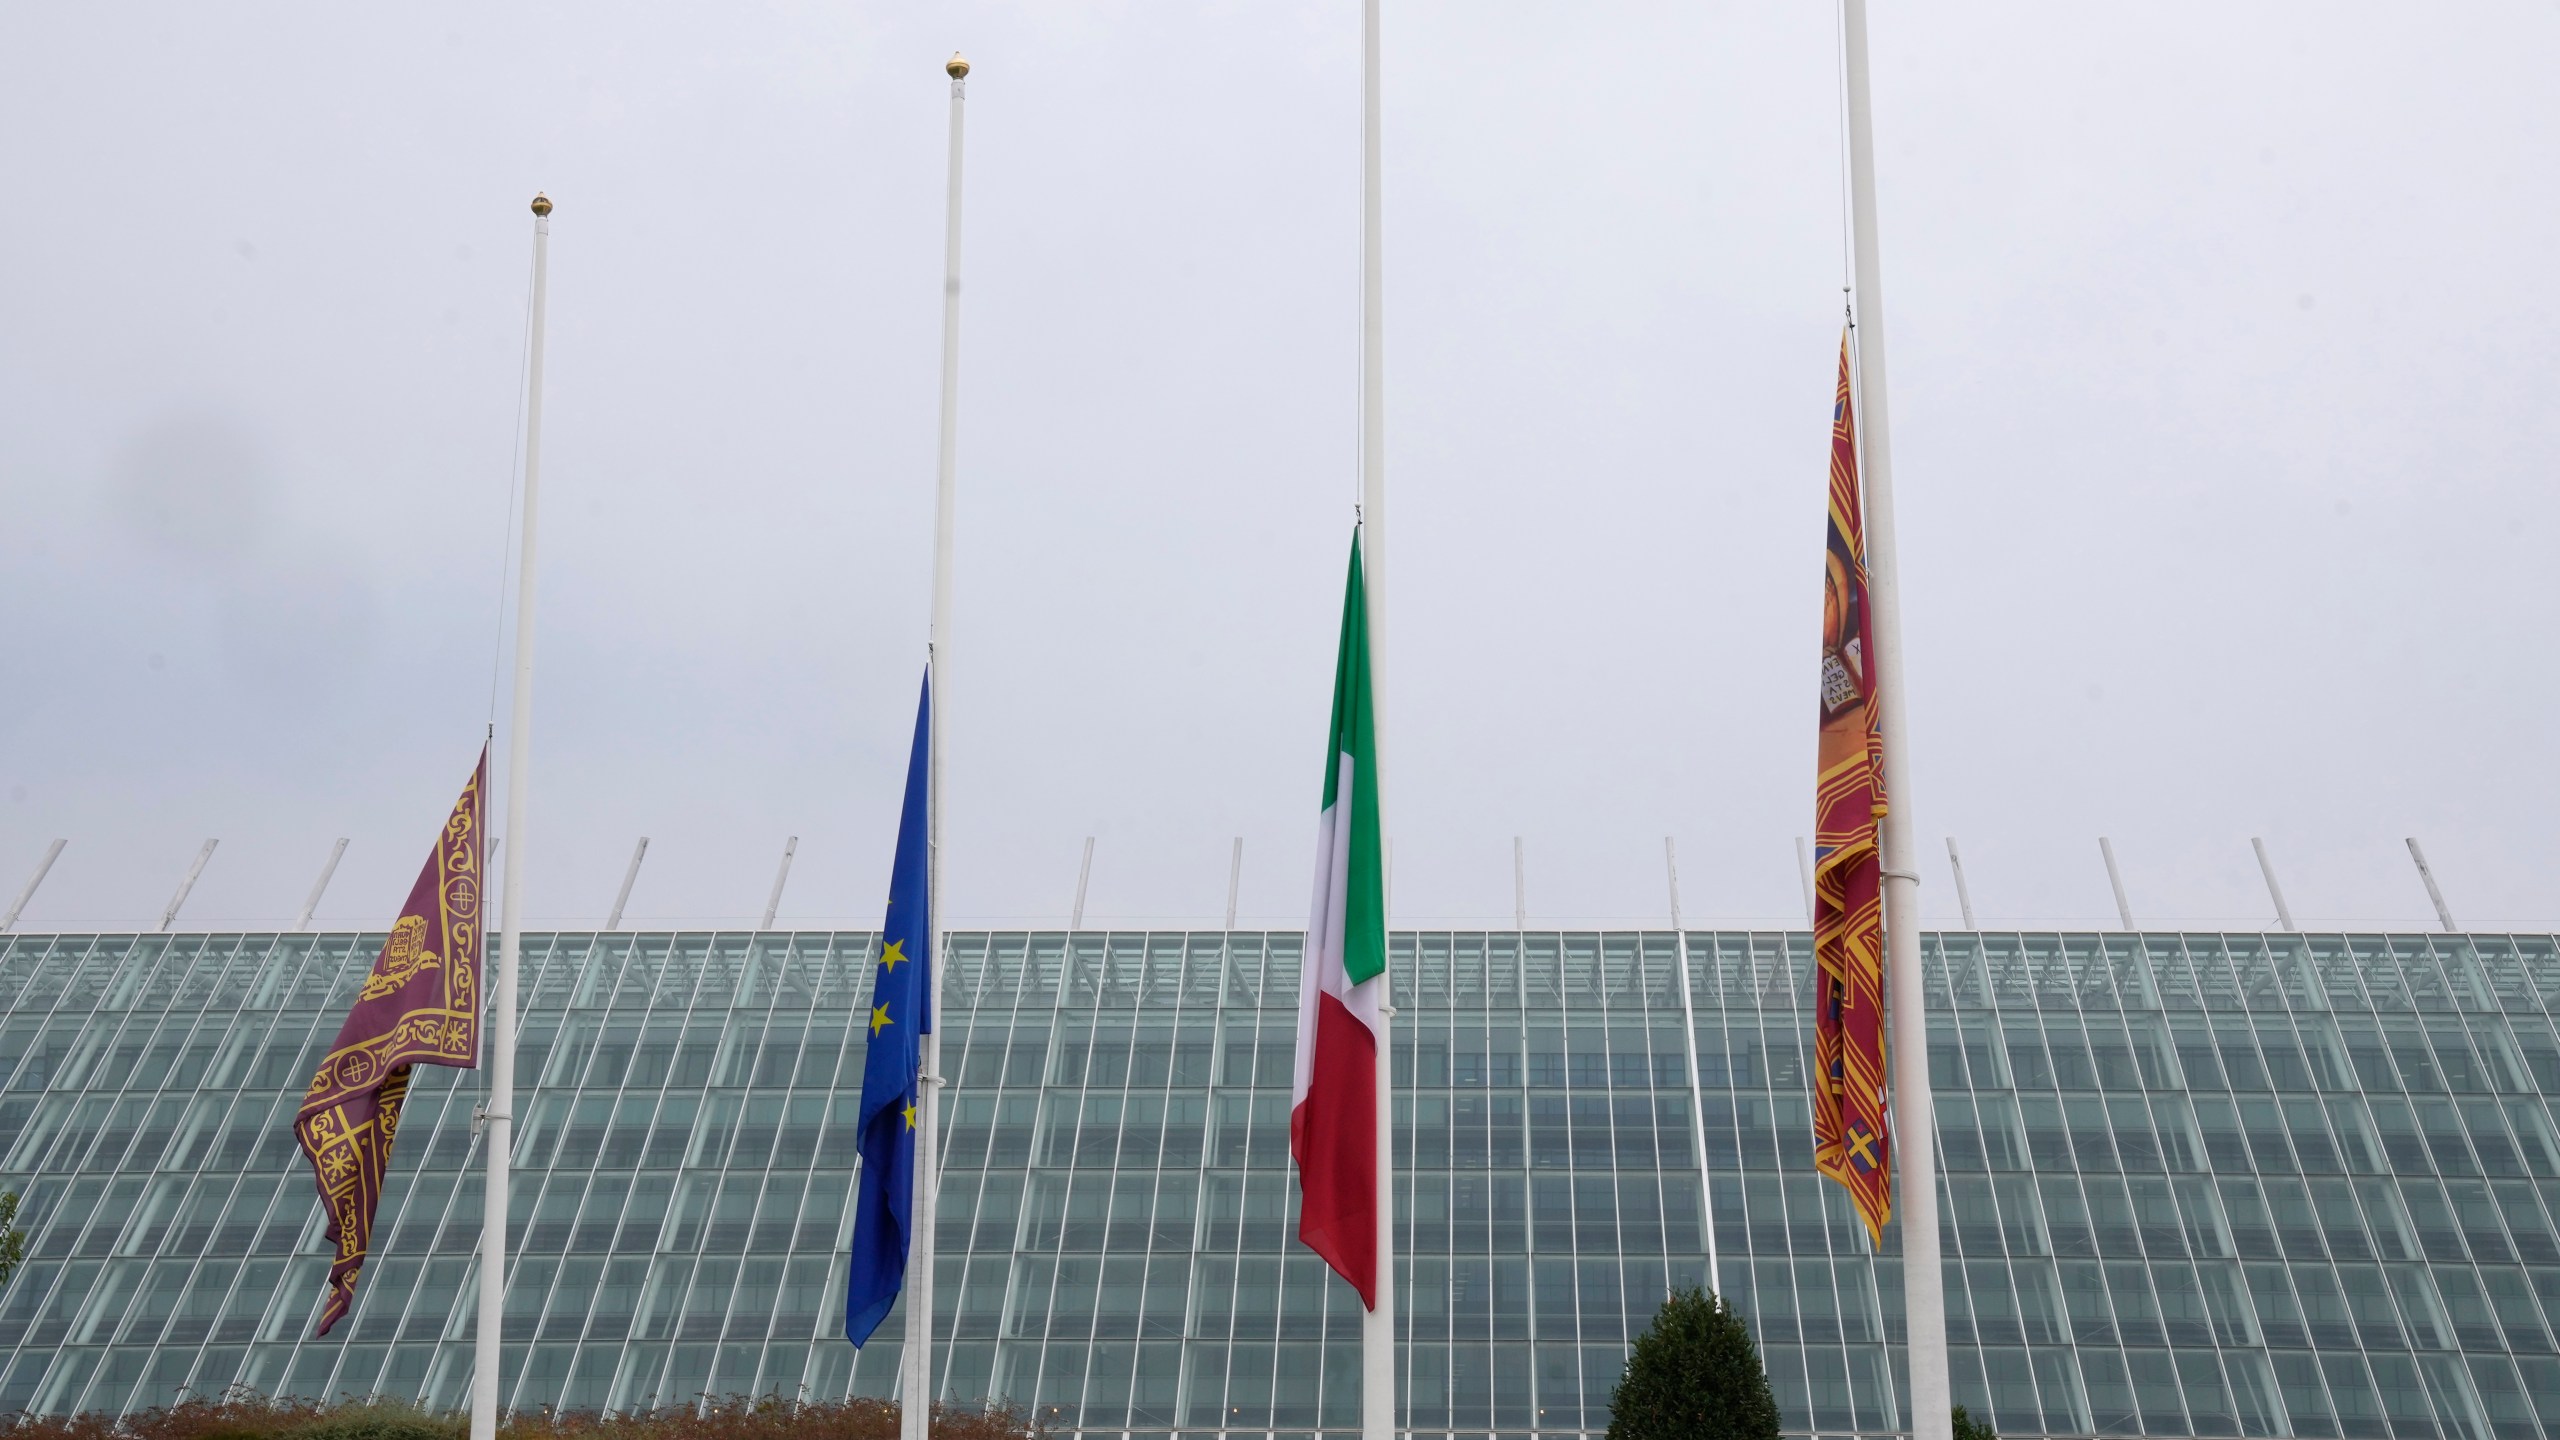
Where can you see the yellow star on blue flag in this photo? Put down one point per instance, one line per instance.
(901, 1016)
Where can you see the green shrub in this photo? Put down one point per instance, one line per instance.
(1968, 1428)
(1694, 1375)
(378, 1420)
(240, 1414)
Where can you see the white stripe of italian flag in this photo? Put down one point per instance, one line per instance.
(1333, 1119)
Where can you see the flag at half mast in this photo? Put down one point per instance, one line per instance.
(901, 1013)
(420, 1004)
(1342, 994)
(1852, 1140)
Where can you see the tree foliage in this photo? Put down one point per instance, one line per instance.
(1968, 1428)
(1694, 1375)
(13, 1241)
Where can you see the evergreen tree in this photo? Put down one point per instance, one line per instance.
(1694, 1375)
(1968, 1428)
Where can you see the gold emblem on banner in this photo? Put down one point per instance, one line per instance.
(403, 959)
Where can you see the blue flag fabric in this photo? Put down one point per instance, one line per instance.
(901, 1014)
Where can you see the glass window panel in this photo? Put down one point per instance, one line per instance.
(2431, 1216)
(2137, 1143)
(2109, 1391)
(2324, 1306)
(2156, 1392)
(2062, 1410)
(2504, 1399)
(759, 1125)
(979, 1312)
(2040, 1307)
(163, 1288)
(1249, 1385)
(2278, 1313)
(2490, 1141)
(2066, 1215)
(2092, 1142)
(2183, 1307)
(1971, 1219)
(2226, 1146)
(1257, 1299)
(2535, 1139)
(2359, 1145)
(2084, 1294)
(2445, 1142)
(97, 1319)
(2030, 1065)
(1595, 1213)
(2068, 1049)
(2402, 1145)
(1079, 1289)
(2511, 1298)
(2138, 1317)
(2208, 1233)
(1205, 1384)
(2540, 1053)
(696, 1054)
(2297, 1225)
(2305, 1393)
(777, 1214)
(2209, 1407)
(2333, 1202)
(1571, 1385)
(2157, 1216)
(2526, 1225)
(1994, 1309)
(2466, 1308)
(2111, 1216)
(1027, 1307)
(2404, 1396)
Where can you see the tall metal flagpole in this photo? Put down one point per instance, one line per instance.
(1689, 1047)
(916, 1408)
(500, 1115)
(1914, 1120)
(1378, 1330)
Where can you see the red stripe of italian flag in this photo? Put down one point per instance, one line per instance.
(1333, 1119)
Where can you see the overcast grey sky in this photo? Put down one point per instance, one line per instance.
(2224, 361)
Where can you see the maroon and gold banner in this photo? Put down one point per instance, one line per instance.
(420, 1004)
(1852, 1142)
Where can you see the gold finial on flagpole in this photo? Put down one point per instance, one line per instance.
(541, 203)
(957, 67)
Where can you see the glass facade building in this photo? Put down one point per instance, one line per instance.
(2192, 1184)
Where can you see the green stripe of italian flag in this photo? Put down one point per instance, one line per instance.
(1333, 1119)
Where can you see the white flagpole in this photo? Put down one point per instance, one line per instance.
(1378, 1330)
(1914, 1118)
(1689, 1048)
(502, 1020)
(916, 1406)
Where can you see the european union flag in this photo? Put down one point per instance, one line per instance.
(901, 1014)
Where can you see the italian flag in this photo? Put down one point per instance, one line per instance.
(1333, 1119)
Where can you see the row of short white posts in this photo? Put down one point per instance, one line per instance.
(1804, 868)
(1235, 875)
(2124, 906)
(338, 851)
